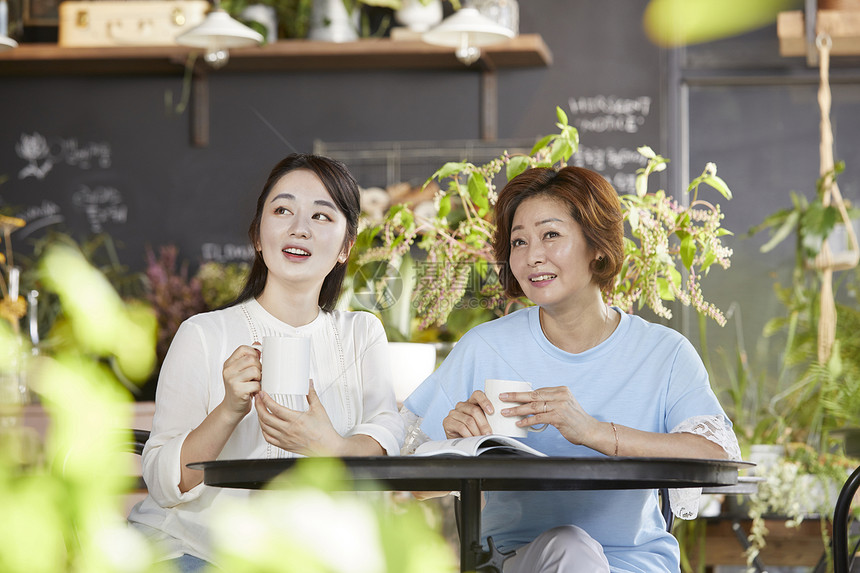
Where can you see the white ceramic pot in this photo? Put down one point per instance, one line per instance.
(765, 456)
(503, 12)
(264, 15)
(419, 17)
(411, 363)
(330, 22)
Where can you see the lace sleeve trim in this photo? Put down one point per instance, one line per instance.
(685, 501)
(414, 435)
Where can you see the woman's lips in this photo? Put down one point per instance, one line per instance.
(296, 252)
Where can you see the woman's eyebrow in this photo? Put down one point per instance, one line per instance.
(287, 196)
(539, 223)
(324, 203)
(291, 197)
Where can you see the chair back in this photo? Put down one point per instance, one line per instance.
(666, 508)
(138, 441)
(841, 515)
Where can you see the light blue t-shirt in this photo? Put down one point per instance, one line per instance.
(644, 376)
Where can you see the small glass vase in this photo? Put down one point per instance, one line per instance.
(14, 392)
(503, 12)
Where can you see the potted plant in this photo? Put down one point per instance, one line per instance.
(818, 393)
(801, 408)
(453, 246)
(293, 15)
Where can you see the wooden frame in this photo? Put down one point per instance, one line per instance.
(41, 12)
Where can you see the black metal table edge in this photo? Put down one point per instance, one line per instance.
(468, 475)
(435, 473)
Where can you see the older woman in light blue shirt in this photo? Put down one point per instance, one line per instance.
(605, 382)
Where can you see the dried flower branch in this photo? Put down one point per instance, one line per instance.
(666, 236)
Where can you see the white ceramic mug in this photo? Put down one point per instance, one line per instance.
(507, 425)
(286, 365)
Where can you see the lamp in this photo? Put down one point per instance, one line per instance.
(6, 43)
(217, 34)
(467, 30)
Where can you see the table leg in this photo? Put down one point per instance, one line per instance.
(742, 539)
(470, 524)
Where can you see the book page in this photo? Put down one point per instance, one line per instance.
(475, 446)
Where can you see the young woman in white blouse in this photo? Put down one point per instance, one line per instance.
(209, 403)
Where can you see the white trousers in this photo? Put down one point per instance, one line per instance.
(564, 549)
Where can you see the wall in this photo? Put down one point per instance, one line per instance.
(120, 161)
(755, 114)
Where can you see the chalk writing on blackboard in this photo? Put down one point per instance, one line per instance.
(617, 165)
(600, 159)
(39, 216)
(602, 114)
(42, 154)
(226, 253)
(101, 205)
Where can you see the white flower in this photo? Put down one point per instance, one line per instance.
(646, 151)
(32, 147)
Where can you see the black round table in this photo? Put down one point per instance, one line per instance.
(471, 475)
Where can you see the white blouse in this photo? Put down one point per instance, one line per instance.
(351, 372)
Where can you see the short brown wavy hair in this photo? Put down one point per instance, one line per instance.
(593, 203)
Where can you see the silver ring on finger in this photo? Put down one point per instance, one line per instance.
(544, 407)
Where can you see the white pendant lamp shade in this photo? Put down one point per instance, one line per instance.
(219, 31)
(467, 30)
(7, 43)
(477, 29)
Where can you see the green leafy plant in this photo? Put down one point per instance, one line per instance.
(813, 397)
(220, 283)
(807, 399)
(57, 517)
(294, 16)
(306, 510)
(62, 498)
(668, 238)
(811, 221)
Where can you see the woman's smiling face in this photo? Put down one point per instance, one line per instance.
(302, 231)
(550, 258)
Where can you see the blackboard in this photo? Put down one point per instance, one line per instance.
(106, 154)
(756, 115)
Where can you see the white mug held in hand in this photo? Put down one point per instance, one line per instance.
(507, 425)
(286, 366)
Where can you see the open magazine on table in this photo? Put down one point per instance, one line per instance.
(477, 445)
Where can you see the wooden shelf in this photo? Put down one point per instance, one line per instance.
(843, 26)
(528, 50)
(786, 546)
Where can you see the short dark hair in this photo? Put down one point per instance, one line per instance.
(593, 204)
(342, 187)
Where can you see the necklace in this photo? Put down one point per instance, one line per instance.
(601, 335)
